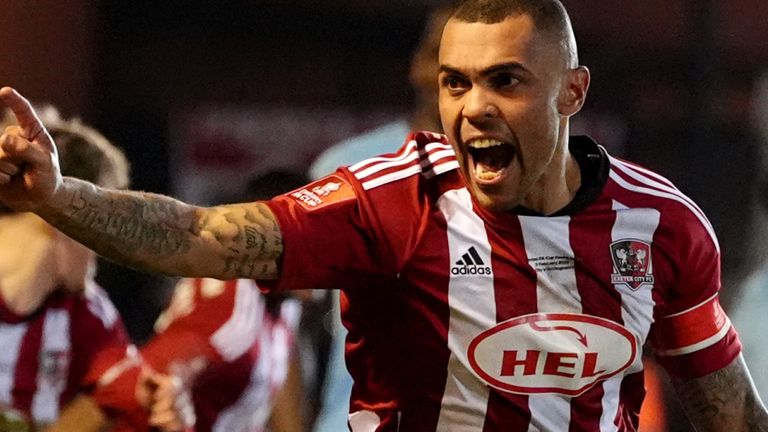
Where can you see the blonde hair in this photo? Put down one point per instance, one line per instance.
(83, 151)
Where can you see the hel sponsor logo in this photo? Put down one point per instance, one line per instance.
(471, 264)
(631, 263)
(551, 353)
(329, 190)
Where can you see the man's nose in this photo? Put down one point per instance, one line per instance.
(479, 106)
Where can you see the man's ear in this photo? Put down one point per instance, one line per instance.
(573, 93)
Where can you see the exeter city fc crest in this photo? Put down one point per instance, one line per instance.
(631, 262)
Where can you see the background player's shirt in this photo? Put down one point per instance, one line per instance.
(71, 344)
(238, 350)
(462, 319)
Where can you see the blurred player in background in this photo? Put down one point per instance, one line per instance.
(64, 346)
(235, 347)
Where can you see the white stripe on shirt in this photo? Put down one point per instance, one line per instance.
(55, 341)
(556, 291)
(472, 306)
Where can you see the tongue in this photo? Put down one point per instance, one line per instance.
(489, 161)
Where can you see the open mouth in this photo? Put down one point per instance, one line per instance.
(490, 158)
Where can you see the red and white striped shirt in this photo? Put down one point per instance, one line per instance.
(464, 319)
(244, 350)
(73, 343)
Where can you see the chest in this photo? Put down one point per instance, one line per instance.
(35, 363)
(541, 302)
(600, 262)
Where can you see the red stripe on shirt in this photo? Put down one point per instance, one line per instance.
(27, 366)
(430, 369)
(508, 410)
(586, 231)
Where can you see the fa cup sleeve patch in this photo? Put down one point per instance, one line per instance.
(326, 191)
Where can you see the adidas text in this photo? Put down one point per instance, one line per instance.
(473, 270)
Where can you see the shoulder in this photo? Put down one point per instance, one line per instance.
(207, 302)
(383, 139)
(424, 155)
(94, 321)
(375, 183)
(632, 186)
(208, 316)
(99, 305)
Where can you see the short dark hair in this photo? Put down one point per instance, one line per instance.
(548, 15)
(84, 152)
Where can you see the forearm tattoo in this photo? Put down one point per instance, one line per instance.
(160, 234)
(131, 222)
(251, 236)
(723, 401)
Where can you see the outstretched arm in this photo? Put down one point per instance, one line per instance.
(725, 400)
(146, 231)
(160, 234)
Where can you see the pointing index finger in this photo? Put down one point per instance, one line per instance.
(30, 124)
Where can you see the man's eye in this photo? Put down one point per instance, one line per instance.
(504, 81)
(453, 83)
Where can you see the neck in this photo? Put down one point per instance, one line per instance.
(558, 185)
(26, 277)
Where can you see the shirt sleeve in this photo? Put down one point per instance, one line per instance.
(328, 236)
(358, 226)
(692, 335)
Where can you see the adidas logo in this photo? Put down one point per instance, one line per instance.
(471, 264)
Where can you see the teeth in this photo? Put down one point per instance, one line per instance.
(484, 143)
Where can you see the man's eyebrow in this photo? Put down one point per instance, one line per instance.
(450, 70)
(501, 67)
(504, 67)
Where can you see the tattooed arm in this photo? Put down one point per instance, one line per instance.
(725, 400)
(156, 233)
(146, 231)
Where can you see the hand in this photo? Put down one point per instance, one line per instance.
(29, 164)
(169, 401)
(13, 420)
